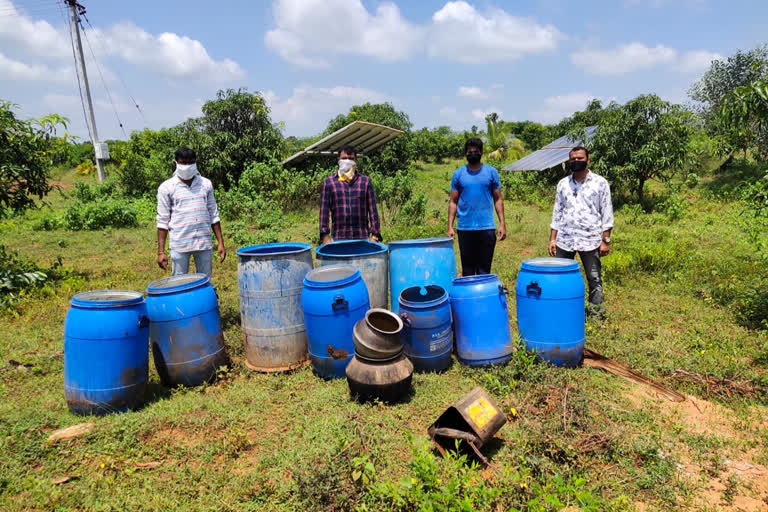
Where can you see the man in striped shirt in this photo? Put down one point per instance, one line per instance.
(187, 210)
(347, 197)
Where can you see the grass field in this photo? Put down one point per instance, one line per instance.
(677, 287)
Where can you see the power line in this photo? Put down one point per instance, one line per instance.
(103, 82)
(125, 86)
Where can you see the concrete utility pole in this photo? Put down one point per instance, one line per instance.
(98, 148)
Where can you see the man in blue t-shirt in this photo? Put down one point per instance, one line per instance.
(475, 193)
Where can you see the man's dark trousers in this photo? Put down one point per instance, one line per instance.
(476, 250)
(592, 268)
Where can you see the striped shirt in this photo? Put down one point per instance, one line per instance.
(187, 212)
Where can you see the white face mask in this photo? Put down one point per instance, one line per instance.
(345, 166)
(186, 172)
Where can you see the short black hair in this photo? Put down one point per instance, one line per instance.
(346, 148)
(579, 148)
(474, 142)
(185, 154)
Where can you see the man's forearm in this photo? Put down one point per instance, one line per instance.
(452, 207)
(162, 234)
(552, 235)
(217, 232)
(500, 212)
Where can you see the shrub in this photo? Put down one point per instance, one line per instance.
(117, 213)
(48, 223)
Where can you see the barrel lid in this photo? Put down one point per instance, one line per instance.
(350, 249)
(550, 264)
(272, 250)
(479, 278)
(107, 298)
(331, 275)
(422, 241)
(422, 296)
(178, 283)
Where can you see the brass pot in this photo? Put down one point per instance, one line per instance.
(377, 336)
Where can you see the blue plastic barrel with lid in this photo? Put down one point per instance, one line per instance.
(427, 334)
(550, 309)
(106, 352)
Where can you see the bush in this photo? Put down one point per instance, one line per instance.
(99, 214)
(48, 223)
(87, 192)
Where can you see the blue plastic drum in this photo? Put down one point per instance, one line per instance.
(106, 351)
(185, 329)
(420, 262)
(334, 299)
(481, 320)
(550, 309)
(427, 334)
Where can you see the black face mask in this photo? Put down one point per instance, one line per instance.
(473, 158)
(577, 165)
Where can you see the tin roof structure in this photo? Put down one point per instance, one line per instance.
(553, 154)
(364, 136)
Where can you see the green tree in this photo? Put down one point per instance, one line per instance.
(592, 115)
(647, 138)
(26, 155)
(393, 156)
(744, 111)
(235, 130)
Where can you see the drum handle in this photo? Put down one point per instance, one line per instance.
(340, 303)
(406, 319)
(143, 321)
(503, 290)
(533, 288)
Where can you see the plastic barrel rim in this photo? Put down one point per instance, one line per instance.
(274, 249)
(347, 248)
(331, 276)
(175, 284)
(99, 299)
(550, 265)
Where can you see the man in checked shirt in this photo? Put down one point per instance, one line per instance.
(582, 220)
(348, 198)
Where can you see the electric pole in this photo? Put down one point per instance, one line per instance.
(100, 150)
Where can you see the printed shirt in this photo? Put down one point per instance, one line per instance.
(475, 206)
(352, 207)
(582, 212)
(187, 212)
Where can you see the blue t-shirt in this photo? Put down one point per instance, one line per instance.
(475, 189)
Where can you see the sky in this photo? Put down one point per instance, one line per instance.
(442, 62)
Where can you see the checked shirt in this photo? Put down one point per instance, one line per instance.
(351, 206)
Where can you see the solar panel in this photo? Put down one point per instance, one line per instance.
(551, 155)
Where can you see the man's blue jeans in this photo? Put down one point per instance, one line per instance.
(203, 262)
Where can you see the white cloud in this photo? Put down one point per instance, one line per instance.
(556, 108)
(697, 61)
(308, 109)
(460, 32)
(19, 33)
(307, 31)
(168, 53)
(15, 70)
(480, 113)
(632, 57)
(471, 91)
(449, 112)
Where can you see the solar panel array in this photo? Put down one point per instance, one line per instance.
(553, 154)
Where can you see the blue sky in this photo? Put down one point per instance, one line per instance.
(442, 62)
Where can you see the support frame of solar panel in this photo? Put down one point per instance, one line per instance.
(364, 136)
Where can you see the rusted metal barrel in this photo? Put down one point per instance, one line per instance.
(270, 278)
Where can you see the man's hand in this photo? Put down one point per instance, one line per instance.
(552, 248)
(502, 234)
(326, 239)
(222, 252)
(604, 249)
(373, 238)
(162, 260)
(451, 234)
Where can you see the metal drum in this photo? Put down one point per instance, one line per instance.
(371, 258)
(106, 353)
(333, 300)
(420, 262)
(270, 278)
(185, 329)
(481, 320)
(427, 333)
(550, 309)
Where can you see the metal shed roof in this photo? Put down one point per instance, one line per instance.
(364, 136)
(551, 155)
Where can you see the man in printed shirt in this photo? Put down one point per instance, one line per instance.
(582, 221)
(187, 210)
(348, 198)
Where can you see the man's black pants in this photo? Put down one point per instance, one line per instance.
(592, 268)
(476, 249)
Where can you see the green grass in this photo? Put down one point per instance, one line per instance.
(580, 438)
